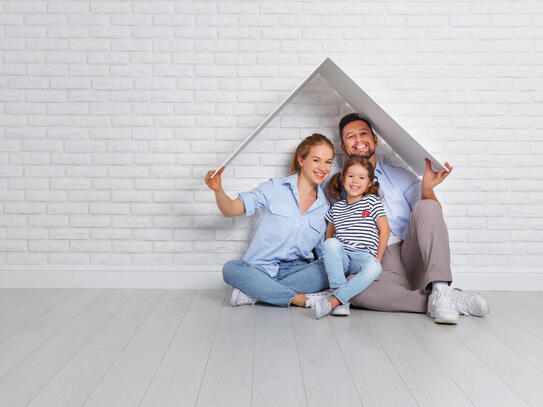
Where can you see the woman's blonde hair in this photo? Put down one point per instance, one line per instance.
(334, 186)
(303, 150)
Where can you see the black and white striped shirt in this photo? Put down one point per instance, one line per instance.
(355, 223)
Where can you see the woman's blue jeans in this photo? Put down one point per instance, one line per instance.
(340, 263)
(293, 277)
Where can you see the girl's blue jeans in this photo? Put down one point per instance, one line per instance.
(340, 263)
(293, 277)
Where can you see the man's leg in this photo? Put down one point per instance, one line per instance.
(390, 291)
(425, 252)
(256, 283)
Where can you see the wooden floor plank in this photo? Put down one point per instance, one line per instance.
(277, 378)
(39, 330)
(30, 310)
(428, 381)
(125, 383)
(480, 384)
(509, 365)
(178, 379)
(228, 376)
(75, 382)
(11, 357)
(68, 347)
(123, 326)
(517, 313)
(23, 383)
(377, 380)
(326, 376)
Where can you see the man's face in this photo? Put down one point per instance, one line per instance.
(358, 140)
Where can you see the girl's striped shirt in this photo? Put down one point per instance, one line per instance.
(355, 223)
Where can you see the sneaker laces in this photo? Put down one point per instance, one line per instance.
(443, 299)
(461, 301)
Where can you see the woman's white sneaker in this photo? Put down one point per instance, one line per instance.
(469, 304)
(240, 298)
(441, 307)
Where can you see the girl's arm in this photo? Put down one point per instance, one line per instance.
(384, 233)
(227, 206)
(330, 230)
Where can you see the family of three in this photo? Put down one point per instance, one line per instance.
(372, 236)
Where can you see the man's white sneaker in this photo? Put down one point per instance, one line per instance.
(469, 304)
(314, 297)
(343, 310)
(441, 307)
(240, 298)
(322, 308)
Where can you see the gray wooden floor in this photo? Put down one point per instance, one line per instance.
(190, 348)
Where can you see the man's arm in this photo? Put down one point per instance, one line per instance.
(431, 179)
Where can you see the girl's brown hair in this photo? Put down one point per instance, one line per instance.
(303, 150)
(334, 186)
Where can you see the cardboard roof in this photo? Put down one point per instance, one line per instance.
(385, 126)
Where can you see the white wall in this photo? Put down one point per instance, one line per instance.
(112, 111)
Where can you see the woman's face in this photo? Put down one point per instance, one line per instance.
(316, 166)
(356, 181)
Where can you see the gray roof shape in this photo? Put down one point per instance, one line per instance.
(393, 134)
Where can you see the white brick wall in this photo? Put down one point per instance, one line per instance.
(112, 111)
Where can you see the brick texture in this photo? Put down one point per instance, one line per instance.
(112, 112)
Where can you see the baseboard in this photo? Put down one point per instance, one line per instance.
(195, 277)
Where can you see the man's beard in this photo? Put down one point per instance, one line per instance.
(367, 155)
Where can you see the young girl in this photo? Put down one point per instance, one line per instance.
(279, 267)
(360, 234)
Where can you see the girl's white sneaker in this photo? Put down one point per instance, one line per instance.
(322, 308)
(343, 310)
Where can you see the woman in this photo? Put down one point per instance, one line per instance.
(279, 265)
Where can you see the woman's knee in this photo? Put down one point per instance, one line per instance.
(231, 271)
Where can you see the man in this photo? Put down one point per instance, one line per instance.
(416, 265)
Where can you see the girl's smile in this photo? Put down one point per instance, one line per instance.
(356, 181)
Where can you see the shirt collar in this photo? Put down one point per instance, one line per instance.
(291, 180)
(379, 168)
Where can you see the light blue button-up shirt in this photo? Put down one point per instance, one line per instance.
(282, 233)
(400, 190)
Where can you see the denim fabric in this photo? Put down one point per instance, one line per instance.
(292, 277)
(340, 263)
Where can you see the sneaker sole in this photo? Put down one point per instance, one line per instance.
(445, 321)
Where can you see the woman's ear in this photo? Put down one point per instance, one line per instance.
(300, 161)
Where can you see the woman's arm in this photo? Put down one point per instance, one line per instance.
(227, 206)
(330, 230)
(384, 233)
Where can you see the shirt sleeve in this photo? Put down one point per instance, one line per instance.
(412, 191)
(258, 198)
(378, 209)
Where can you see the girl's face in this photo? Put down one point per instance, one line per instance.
(356, 181)
(316, 166)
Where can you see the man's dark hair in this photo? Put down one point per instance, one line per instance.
(352, 117)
